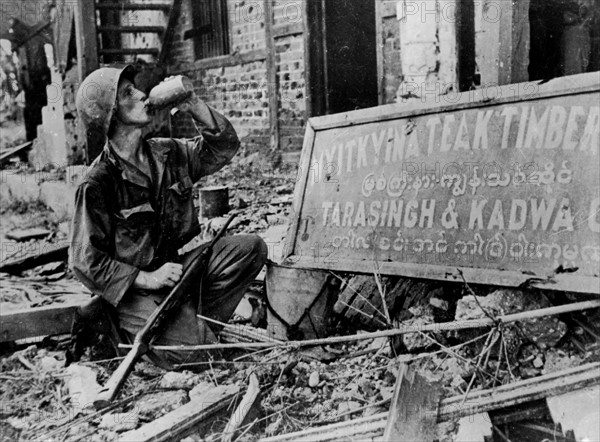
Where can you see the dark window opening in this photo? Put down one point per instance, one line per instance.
(565, 38)
(210, 28)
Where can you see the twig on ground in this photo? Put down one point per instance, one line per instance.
(381, 293)
(486, 349)
(475, 296)
(442, 326)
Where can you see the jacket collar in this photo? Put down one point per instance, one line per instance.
(159, 151)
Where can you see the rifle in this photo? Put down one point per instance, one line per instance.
(149, 332)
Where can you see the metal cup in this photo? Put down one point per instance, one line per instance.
(170, 93)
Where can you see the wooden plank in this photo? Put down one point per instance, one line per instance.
(129, 51)
(224, 61)
(128, 29)
(184, 420)
(167, 39)
(35, 322)
(379, 43)
(303, 167)
(28, 234)
(247, 406)
(414, 408)
(48, 253)
(287, 30)
(506, 42)
(529, 390)
(451, 408)
(399, 330)
(328, 260)
(87, 42)
(362, 429)
(63, 33)
(134, 6)
(479, 98)
(5, 157)
(272, 78)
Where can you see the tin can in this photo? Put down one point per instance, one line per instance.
(170, 93)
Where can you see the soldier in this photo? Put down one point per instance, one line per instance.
(134, 211)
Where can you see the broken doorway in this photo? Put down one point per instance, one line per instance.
(342, 56)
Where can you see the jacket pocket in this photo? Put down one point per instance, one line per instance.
(134, 223)
(183, 188)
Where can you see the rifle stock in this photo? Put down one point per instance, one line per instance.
(144, 337)
(116, 381)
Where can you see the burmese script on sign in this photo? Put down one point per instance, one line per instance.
(512, 186)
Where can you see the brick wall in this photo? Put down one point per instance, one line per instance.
(290, 80)
(239, 91)
(289, 51)
(246, 25)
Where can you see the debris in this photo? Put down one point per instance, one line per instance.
(119, 422)
(180, 421)
(200, 390)
(448, 326)
(414, 409)
(474, 428)
(49, 363)
(314, 380)
(173, 380)
(5, 157)
(47, 320)
(544, 332)
(161, 402)
(47, 253)
(27, 234)
(577, 411)
(247, 410)
(82, 385)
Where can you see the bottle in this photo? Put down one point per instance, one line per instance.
(170, 93)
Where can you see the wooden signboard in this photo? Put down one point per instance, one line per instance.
(501, 183)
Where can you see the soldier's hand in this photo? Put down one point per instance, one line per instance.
(165, 277)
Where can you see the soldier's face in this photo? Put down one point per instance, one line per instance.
(131, 105)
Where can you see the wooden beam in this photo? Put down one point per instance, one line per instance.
(35, 322)
(400, 330)
(129, 51)
(506, 42)
(379, 42)
(134, 6)
(223, 61)
(167, 39)
(247, 405)
(5, 157)
(273, 86)
(286, 30)
(516, 393)
(131, 29)
(48, 253)
(184, 420)
(478, 402)
(414, 407)
(87, 42)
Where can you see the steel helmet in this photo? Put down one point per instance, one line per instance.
(96, 98)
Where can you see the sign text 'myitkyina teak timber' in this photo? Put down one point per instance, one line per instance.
(502, 184)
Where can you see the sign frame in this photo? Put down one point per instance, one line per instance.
(479, 99)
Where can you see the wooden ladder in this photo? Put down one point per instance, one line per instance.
(102, 27)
